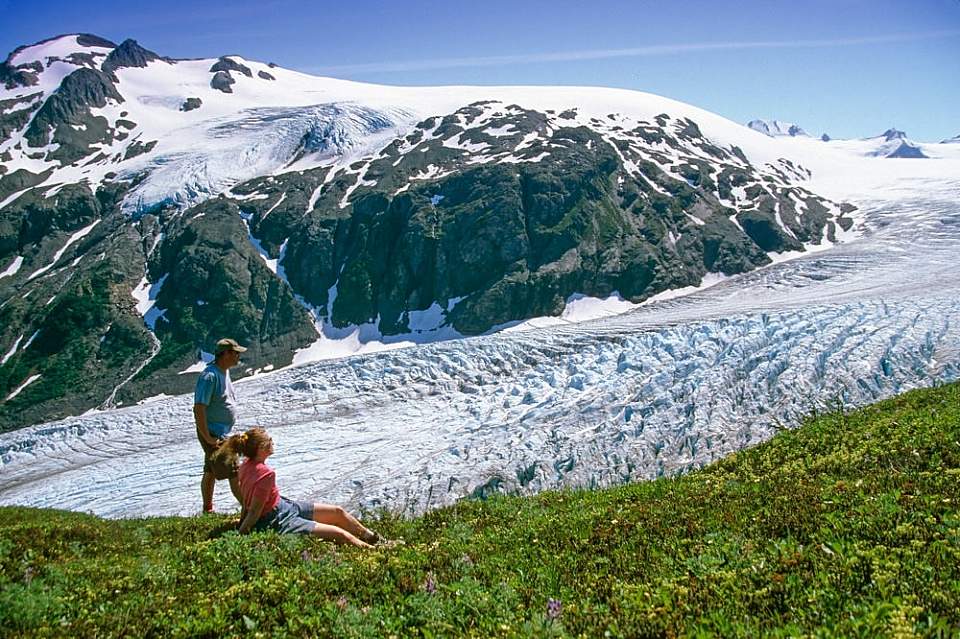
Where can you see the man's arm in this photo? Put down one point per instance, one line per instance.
(200, 417)
(252, 516)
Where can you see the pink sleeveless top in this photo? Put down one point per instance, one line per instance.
(258, 481)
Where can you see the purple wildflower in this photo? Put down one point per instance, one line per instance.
(430, 585)
(554, 609)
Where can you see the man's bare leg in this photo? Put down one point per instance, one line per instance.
(206, 491)
(235, 489)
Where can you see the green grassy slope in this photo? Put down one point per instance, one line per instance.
(847, 526)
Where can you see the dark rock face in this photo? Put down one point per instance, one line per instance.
(774, 128)
(82, 60)
(265, 76)
(139, 148)
(893, 134)
(218, 285)
(25, 223)
(19, 76)
(825, 137)
(128, 54)
(68, 109)
(90, 40)
(19, 180)
(221, 81)
(15, 113)
(190, 104)
(229, 64)
(83, 331)
(513, 241)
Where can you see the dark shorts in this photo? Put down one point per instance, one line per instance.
(221, 469)
(294, 517)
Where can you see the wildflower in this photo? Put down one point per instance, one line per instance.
(430, 585)
(342, 603)
(306, 556)
(28, 574)
(554, 609)
(466, 560)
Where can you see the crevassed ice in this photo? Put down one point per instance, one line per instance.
(663, 389)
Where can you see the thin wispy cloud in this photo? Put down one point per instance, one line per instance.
(633, 52)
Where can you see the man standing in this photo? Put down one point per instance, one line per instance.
(215, 413)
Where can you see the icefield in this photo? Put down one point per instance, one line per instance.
(660, 390)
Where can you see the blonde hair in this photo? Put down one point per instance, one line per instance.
(246, 444)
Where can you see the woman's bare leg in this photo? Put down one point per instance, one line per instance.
(337, 516)
(337, 535)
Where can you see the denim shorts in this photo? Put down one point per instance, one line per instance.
(294, 517)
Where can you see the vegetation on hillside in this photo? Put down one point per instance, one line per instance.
(847, 526)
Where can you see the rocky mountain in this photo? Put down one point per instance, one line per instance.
(776, 128)
(894, 143)
(149, 206)
(954, 140)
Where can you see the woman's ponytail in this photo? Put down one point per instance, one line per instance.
(229, 451)
(246, 444)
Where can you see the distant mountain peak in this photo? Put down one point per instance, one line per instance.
(777, 128)
(25, 64)
(906, 150)
(894, 143)
(59, 46)
(128, 54)
(954, 140)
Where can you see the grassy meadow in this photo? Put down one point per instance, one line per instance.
(847, 526)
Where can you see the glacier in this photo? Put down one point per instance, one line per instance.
(199, 162)
(660, 390)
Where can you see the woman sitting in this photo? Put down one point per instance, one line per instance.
(264, 508)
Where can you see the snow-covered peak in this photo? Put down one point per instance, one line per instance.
(954, 140)
(893, 143)
(899, 148)
(777, 128)
(893, 134)
(59, 48)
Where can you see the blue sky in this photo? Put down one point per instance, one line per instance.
(850, 68)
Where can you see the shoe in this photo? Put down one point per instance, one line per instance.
(371, 537)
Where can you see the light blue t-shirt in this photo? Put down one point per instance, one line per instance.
(215, 391)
